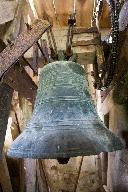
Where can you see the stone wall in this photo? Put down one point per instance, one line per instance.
(117, 172)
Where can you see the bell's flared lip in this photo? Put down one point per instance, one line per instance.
(44, 144)
(19, 150)
(28, 154)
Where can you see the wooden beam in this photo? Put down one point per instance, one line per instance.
(63, 9)
(7, 11)
(84, 45)
(6, 93)
(30, 175)
(45, 8)
(15, 131)
(22, 176)
(28, 167)
(4, 176)
(84, 11)
(79, 30)
(105, 20)
(25, 40)
(18, 79)
(42, 179)
(86, 54)
(95, 41)
(17, 23)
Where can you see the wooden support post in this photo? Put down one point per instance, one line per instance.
(29, 164)
(42, 179)
(15, 133)
(104, 162)
(98, 166)
(4, 176)
(30, 175)
(6, 93)
(22, 176)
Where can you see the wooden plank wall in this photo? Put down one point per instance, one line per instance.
(65, 7)
(105, 19)
(60, 10)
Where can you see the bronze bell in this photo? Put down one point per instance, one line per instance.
(64, 123)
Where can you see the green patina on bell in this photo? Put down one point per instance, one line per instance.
(64, 123)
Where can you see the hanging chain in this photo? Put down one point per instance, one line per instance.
(115, 9)
(99, 57)
(111, 64)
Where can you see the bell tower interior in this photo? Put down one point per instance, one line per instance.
(63, 95)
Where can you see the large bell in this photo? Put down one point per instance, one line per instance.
(64, 123)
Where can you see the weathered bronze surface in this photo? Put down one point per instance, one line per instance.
(64, 123)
